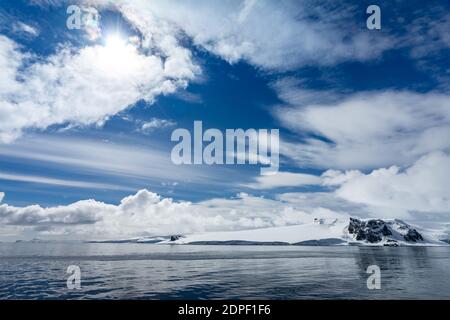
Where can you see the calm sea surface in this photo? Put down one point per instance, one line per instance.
(146, 271)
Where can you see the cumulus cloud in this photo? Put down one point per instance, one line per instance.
(147, 214)
(421, 187)
(365, 130)
(82, 212)
(138, 214)
(86, 85)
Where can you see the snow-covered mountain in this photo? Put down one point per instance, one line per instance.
(379, 232)
(320, 232)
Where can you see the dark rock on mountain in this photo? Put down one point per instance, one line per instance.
(377, 230)
(371, 231)
(413, 236)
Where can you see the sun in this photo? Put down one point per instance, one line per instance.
(115, 41)
(117, 54)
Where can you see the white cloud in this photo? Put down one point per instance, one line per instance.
(284, 179)
(10, 61)
(87, 85)
(336, 177)
(79, 213)
(422, 187)
(141, 214)
(20, 27)
(429, 36)
(124, 161)
(59, 182)
(271, 35)
(189, 97)
(147, 214)
(366, 130)
(155, 123)
(285, 209)
(277, 36)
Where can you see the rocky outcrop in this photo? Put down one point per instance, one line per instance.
(413, 236)
(175, 238)
(376, 230)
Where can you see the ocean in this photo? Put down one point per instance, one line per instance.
(149, 271)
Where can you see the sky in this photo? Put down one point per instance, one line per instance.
(87, 113)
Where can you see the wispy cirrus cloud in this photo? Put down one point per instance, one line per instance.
(363, 130)
(119, 163)
(23, 28)
(95, 156)
(59, 182)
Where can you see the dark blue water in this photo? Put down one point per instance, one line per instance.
(145, 271)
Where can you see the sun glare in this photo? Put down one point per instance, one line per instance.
(115, 41)
(118, 55)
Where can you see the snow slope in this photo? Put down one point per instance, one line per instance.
(290, 234)
(320, 232)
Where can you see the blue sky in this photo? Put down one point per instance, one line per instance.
(364, 115)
